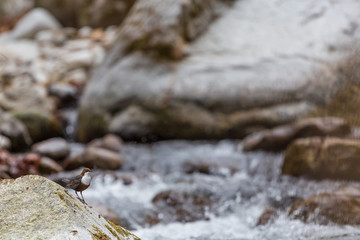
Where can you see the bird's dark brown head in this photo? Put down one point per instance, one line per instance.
(85, 171)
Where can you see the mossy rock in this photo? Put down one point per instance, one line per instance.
(33, 207)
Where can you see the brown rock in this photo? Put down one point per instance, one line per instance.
(182, 206)
(277, 139)
(268, 216)
(95, 158)
(110, 142)
(55, 148)
(322, 158)
(340, 207)
(49, 166)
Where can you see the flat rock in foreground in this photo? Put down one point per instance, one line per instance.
(33, 207)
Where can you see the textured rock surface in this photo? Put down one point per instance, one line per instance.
(321, 158)
(339, 207)
(33, 207)
(224, 72)
(277, 139)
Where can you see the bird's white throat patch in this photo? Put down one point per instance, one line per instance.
(86, 179)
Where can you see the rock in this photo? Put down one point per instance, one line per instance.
(183, 206)
(18, 165)
(95, 158)
(15, 131)
(56, 36)
(55, 148)
(279, 138)
(190, 167)
(323, 158)
(79, 59)
(77, 77)
(5, 143)
(88, 13)
(106, 213)
(110, 142)
(148, 70)
(64, 92)
(35, 21)
(30, 104)
(338, 207)
(268, 216)
(168, 25)
(24, 50)
(47, 204)
(49, 166)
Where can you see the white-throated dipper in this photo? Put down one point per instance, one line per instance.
(80, 183)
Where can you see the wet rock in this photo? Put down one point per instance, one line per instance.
(35, 21)
(87, 13)
(15, 131)
(323, 158)
(43, 199)
(106, 213)
(110, 142)
(55, 148)
(279, 138)
(268, 216)
(208, 168)
(183, 206)
(339, 207)
(95, 158)
(49, 166)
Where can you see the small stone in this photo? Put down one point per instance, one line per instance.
(106, 213)
(79, 59)
(5, 142)
(110, 142)
(55, 148)
(268, 216)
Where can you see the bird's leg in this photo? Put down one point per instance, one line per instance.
(77, 195)
(83, 198)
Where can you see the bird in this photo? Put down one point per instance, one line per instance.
(80, 183)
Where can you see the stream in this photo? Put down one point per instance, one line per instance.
(243, 184)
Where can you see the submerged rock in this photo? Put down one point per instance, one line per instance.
(32, 201)
(110, 142)
(323, 158)
(277, 139)
(339, 207)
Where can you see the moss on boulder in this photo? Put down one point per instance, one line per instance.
(33, 207)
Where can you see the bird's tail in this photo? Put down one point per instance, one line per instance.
(65, 180)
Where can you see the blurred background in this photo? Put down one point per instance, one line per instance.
(202, 119)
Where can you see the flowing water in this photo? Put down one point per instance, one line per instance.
(243, 184)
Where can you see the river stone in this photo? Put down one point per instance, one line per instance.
(224, 72)
(94, 157)
(32, 201)
(49, 166)
(15, 131)
(277, 139)
(110, 142)
(323, 158)
(33, 22)
(55, 148)
(338, 207)
(87, 13)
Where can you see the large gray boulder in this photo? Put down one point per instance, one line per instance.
(250, 59)
(33, 207)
